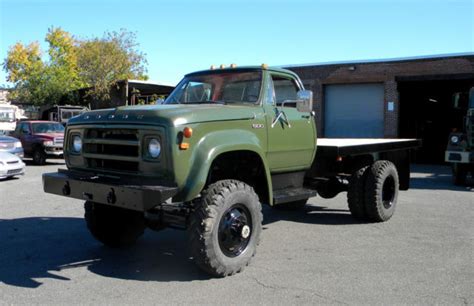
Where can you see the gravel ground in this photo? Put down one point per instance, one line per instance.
(423, 255)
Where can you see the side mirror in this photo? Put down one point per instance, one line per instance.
(304, 103)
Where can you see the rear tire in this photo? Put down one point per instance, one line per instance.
(114, 226)
(356, 194)
(381, 191)
(225, 228)
(459, 174)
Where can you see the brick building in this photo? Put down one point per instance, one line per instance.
(406, 98)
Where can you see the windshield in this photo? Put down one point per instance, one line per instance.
(225, 87)
(47, 128)
(68, 114)
(7, 115)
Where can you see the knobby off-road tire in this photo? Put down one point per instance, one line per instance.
(114, 226)
(225, 228)
(459, 174)
(356, 194)
(381, 191)
(296, 205)
(39, 157)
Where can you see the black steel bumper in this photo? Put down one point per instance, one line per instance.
(106, 190)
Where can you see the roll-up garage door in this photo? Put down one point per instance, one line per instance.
(354, 111)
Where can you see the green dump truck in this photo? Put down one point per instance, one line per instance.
(224, 142)
(460, 149)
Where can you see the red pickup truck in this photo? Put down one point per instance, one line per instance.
(41, 139)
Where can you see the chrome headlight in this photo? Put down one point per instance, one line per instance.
(154, 148)
(48, 143)
(454, 139)
(18, 144)
(76, 143)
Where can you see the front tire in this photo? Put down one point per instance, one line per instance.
(39, 156)
(381, 191)
(114, 226)
(225, 228)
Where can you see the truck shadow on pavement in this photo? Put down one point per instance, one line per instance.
(49, 162)
(38, 248)
(311, 214)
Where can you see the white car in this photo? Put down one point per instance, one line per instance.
(10, 165)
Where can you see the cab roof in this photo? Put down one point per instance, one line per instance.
(241, 69)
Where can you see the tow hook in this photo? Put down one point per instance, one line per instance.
(111, 197)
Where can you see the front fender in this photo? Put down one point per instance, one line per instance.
(208, 148)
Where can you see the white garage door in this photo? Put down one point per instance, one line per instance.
(354, 111)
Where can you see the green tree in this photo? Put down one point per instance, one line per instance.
(104, 61)
(42, 82)
(72, 64)
(24, 67)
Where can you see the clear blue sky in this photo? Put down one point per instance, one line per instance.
(182, 36)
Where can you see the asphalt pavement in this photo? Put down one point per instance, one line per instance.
(423, 255)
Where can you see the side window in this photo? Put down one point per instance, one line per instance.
(25, 129)
(285, 89)
(18, 128)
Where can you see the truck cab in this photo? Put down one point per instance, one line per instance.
(7, 118)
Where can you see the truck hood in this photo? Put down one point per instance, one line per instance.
(173, 115)
(51, 136)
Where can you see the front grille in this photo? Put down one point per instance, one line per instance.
(112, 149)
(14, 171)
(58, 140)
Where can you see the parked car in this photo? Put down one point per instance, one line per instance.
(41, 139)
(11, 145)
(10, 165)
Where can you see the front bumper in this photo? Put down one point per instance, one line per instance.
(9, 170)
(54, 151)
(112, 191)
(459, 157)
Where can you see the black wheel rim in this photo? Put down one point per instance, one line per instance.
(235, 230)
(388, 192)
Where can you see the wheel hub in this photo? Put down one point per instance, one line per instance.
(235, 230)
(245, 232)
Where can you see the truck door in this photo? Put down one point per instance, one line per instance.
(24, 133)
(291, 134)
